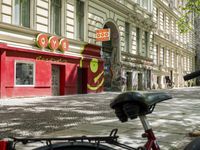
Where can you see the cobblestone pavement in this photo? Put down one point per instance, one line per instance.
(90, 114)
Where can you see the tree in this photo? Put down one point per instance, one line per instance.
(191, 9)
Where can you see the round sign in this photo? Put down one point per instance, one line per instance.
(53, 43)
(64, 45)
(42, 40)
(94, 65)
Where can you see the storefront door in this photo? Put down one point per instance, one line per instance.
(55, 80)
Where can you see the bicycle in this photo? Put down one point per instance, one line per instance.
(128, 105)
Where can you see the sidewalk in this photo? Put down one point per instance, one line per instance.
(90, 114)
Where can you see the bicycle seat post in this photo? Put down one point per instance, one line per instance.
(151, 142)
(145, 122)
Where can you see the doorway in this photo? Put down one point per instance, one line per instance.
(55, 80)
(110, 50)
(148, 79)
(129, 83)
(82, 80)
(140, 87)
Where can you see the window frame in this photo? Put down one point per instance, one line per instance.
(162, 56)
(146, 42)
(138, 40)
(52, 22)
(80, 35)
(15, 71)
(31, 2)
(127, 32)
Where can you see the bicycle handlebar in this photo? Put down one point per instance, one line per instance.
(192, 75)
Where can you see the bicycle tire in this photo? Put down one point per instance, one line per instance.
(194, 145)
(75, 146)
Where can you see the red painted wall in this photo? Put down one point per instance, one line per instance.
(71, 78)
(43, 86)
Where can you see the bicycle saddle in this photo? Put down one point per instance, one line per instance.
(132, 104)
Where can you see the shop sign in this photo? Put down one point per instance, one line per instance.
(42, 40)
(51, 59)
(102, 35)
(52, 42)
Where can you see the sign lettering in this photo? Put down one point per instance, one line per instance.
(42, 40)
(53, 43)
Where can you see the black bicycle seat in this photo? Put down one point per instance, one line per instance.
(133, 104)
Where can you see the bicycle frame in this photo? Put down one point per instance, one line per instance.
(151, 143)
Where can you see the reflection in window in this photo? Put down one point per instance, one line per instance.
(24, 73)
(21, 13)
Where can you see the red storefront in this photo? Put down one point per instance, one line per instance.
(37, 72)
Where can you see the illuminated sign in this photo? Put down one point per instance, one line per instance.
(52, 42)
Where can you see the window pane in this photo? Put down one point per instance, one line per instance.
(56, 16)
(127, 36)
(57, 20)
(16, 18)
(25, 10)
(24, 74)
(80, 19)
(21, 15)
(146, 41)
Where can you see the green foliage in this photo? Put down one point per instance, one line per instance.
(185, 22)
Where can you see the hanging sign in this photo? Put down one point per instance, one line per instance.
(102, 35)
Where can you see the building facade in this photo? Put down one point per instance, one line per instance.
(174, 53)
(49, 47)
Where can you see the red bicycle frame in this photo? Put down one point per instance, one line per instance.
(151, 143)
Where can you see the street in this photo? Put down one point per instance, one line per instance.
(90, 114)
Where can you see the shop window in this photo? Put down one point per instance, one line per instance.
(24, 73)
(56, 17)
(21, 13)
(80, 20)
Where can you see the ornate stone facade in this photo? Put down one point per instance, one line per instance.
(174, 53)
